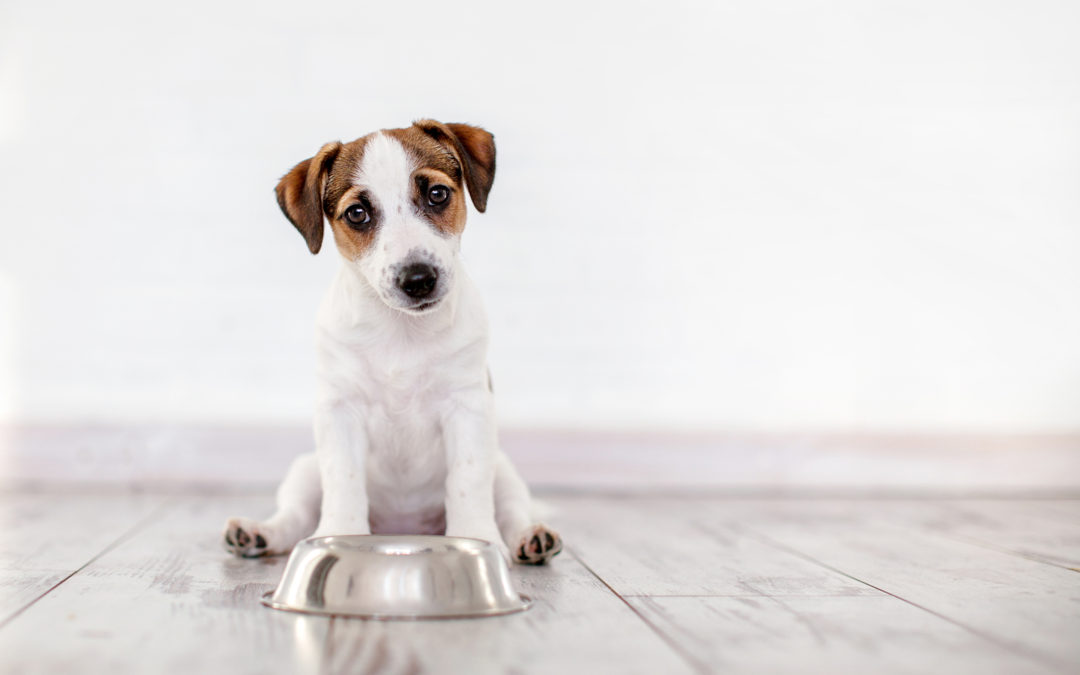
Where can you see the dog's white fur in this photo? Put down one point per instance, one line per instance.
(404, 425)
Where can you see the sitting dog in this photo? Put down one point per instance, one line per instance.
(405, 439)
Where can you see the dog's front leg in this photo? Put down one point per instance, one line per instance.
(469, 434)
(341, 444)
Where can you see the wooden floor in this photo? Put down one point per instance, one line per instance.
(137, 583)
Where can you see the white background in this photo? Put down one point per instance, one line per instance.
(760, 215)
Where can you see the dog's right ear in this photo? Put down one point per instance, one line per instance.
(300, 194)
(475, 147)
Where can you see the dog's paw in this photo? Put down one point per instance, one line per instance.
(537, 545)
(244, 537)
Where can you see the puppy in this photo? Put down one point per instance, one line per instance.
(405, 439)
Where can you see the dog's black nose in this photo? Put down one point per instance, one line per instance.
(417, 280)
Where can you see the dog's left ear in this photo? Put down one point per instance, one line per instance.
(299, 194)
(475, 147)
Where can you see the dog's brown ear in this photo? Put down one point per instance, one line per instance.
(476, 148)
(300, 194)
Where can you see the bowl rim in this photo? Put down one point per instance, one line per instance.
(316, 540)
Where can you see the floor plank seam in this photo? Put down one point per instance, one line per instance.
(125, 536)
(676, 647)
(1032, 557)
(1019, 649)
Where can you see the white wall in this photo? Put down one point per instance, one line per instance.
(708, 215)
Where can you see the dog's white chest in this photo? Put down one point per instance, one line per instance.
(406, 474)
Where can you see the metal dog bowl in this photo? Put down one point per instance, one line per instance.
(396, 577)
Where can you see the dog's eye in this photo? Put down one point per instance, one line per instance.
(438, 194)
(357, 216)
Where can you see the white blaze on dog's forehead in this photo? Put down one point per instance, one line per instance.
(386, 172)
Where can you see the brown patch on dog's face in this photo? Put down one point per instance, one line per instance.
(353, 239)
(448, 217)
(342, 194)
(436, 165)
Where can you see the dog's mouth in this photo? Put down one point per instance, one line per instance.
(416, 308)
(422, 307)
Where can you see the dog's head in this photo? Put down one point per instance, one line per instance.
(395, 200)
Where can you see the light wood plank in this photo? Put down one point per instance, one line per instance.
(656, 546)
(1063, 508)
(1032, 608)
(1032, 529)
(167, 600)
(44, 537)
(824, 635)
(1035, 529)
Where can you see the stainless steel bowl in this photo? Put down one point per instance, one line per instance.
(396, 577)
